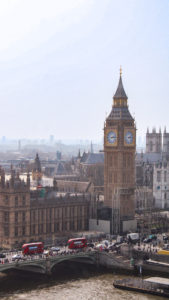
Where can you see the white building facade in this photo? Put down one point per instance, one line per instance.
(161, 185)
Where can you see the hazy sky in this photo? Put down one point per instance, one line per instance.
(60, 59)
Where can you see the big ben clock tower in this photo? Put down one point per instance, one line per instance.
(119, 162)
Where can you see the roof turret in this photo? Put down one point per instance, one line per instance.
(120, 92)
(120, 107)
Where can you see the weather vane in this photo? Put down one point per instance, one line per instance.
(120, 70)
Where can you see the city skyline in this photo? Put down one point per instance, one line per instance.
(59, 66)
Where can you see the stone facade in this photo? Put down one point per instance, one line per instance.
(14, 209)
(144, 199)
(119, 158)
(58, 214)
(165, 142)
(153, 141)
(39, 215)
(152, 168)
(161, 185)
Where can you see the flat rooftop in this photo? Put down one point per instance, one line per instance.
(158, 280)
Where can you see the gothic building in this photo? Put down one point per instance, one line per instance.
(153, 141)
(39, 215)
(152, 168)
(165, 142)
(37, 170)
(119, 162)
(14, 208)
(156, 142)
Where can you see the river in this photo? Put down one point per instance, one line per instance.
(97, 285)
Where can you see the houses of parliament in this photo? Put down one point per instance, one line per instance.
(28, 215)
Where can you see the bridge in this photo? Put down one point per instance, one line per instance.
(47, 265)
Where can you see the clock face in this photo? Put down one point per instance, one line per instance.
(128, 137)
(111, 137)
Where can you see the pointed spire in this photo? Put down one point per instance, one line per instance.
(37, 164)
(91, 147)
(120, 92)
(79, 155)
(2, 178)
(55, 187)
(120, 70)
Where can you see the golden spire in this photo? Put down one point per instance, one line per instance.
(120, 70)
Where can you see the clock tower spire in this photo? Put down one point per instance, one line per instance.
(119, 165)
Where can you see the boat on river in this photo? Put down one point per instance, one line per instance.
(153, 285)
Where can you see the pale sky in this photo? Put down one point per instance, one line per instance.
(60, 60)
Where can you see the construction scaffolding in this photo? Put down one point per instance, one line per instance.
(116, 212)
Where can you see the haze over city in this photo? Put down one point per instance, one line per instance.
(84, 149)
(59, 65)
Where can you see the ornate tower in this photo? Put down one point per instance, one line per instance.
(154, 141)
(37, 171)
(119, 161)
(165, 142)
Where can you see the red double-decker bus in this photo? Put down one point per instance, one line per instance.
(33, 248)
(77, 243)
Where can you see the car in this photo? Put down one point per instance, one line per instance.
(55, 249)
(46, 252)
(147, 240)
(2, 255)
(165, 237)
(16, 257)
(91, 245)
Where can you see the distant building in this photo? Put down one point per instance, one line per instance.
(51, 139)
(91, 167)
(37, 170)
(19, 145)
(58, 155)
(161, 185)
(152, 167)
(153, 141)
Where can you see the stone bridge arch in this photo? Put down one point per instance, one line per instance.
(76, 259)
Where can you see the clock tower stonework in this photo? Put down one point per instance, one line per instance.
(119, 162)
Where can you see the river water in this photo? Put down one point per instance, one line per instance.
(87, 287)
